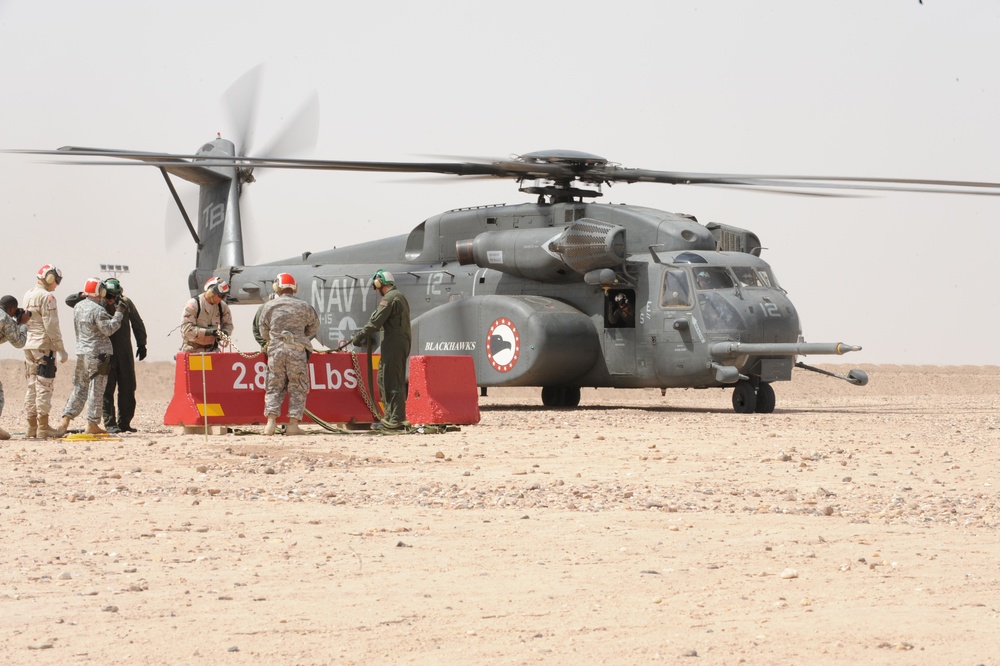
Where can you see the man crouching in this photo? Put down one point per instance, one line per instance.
(93, 327)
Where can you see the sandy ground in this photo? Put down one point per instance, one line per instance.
(852, 525)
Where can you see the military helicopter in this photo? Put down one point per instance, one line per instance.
(561, 292)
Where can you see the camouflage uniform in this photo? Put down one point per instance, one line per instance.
(288, 325)
(199, 316)
(14, 333)
(44, 339)
(93, 327)
(392, 316)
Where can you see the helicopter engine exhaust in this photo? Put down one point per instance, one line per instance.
(545, 254)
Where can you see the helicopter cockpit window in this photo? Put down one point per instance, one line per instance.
(766, 279)
(676, 289)
(747, 277)
(712, 277)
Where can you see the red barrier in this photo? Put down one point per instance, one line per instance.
(442, 390)
(228, 389)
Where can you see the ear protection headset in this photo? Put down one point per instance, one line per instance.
(284, 281)
(382, 278)
(49, 274)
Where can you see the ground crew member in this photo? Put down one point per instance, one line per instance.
(122, 375)
(261, 340)
(205, 316)
(13, 329)
(44, 342)
(392, 316)
(287, 325)
(93, 326)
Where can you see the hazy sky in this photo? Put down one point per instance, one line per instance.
(853, 87)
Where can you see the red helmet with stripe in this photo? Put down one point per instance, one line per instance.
(284, 281)
(94, 287)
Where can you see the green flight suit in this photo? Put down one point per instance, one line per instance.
(392, 317)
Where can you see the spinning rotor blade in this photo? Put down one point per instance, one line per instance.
(242, 101)
(299, 133)
(560, 167)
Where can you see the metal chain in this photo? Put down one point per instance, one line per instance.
(369, 401)
(226, 340)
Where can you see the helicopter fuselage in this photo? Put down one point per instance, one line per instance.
(561, 295)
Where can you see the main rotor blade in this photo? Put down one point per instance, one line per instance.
(559, 172)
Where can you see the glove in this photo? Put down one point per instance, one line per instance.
(213, 331)
(63, 357)
(140, 353)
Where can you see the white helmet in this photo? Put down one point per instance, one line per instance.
(218, 286)
(49, 274)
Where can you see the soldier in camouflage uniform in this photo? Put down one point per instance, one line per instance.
(287, 325)
(93, 327)
(206, 315)
(393, 317)
(13, 329)
(43, 343)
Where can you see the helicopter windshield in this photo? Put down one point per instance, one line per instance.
(712, 277)
(676, 289)
(750, 277)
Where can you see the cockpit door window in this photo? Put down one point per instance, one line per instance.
(676, 291)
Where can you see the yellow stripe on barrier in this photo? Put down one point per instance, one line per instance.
(211, 409)
(195, 361)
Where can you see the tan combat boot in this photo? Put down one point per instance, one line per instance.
(272, 424)
(32, 427)
(46, 431)
(94, 428)
(293, 428)
(4, 434)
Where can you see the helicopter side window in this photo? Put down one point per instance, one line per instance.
(709, 277)
(676, 289)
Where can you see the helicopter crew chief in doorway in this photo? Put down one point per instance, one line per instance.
(287, 325)
(205, 316)
(392, 316)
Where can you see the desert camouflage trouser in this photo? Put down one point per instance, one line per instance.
(38, 398)
(287, 372)
(88, 387)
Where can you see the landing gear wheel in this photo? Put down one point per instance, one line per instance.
(560, 396)
(744, 397)
(765, 399)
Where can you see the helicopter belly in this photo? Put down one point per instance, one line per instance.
(513, 340)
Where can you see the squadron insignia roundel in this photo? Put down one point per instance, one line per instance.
(503, 345)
